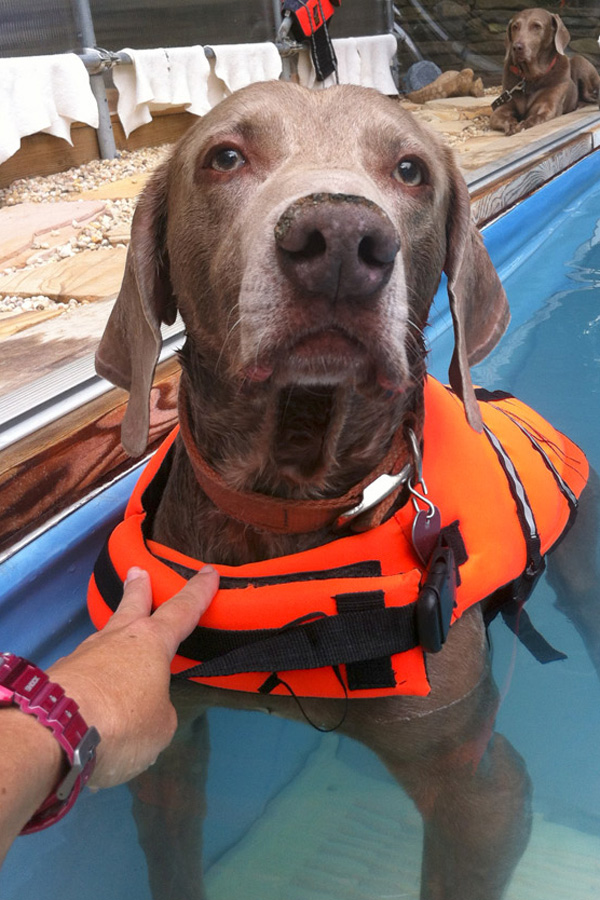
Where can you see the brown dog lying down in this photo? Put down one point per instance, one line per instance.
(302, 356)
(539, 81)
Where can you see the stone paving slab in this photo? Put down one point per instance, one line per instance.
(88, 275)
(122, 189)
(22, 225)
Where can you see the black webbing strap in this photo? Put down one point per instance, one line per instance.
(368, 673)
(107, 579)
(348, 637)
(321, 47)
(517, 619)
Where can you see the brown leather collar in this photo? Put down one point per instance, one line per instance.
(516, 70)
(283, 516)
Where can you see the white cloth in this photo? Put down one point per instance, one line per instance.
(183, 76)
(362, 60)
(43, 93)
(175, 76)
(238, 65)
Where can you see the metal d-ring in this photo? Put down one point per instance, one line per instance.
(418, 478)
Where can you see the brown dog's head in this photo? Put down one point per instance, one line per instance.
(533, 36)
(302, 235)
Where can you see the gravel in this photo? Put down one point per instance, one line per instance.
(62, 186)
(96, 234)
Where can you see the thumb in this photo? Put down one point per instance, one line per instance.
(177, 618)
(136, 602)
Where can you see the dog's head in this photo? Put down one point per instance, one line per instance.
(302, 235)
(532, 34)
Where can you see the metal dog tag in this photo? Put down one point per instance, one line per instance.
(425, 532)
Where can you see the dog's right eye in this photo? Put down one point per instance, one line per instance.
(227, 159)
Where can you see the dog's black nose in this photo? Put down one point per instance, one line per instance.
(337, 246)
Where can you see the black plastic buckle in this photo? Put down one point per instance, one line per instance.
(436, 599)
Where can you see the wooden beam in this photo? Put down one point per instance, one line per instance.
(49, 471)
(45, 154)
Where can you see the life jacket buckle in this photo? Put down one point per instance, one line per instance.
(436, 600)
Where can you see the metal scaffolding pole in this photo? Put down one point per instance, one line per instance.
(87, 36)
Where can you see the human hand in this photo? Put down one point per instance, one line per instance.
(120, 676)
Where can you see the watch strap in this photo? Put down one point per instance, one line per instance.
(25, 685)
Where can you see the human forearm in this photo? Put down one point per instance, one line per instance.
(119, 679)
(31, 763)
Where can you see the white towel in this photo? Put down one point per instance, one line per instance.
(43, 93)
(376, 55)
(363, 60)
(175, 76)
(238, 65)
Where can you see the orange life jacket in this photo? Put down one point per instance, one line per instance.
(347, 618)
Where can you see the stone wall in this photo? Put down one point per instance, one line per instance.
(474, 31)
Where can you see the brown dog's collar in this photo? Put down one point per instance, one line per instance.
(506, 95)
(283, 516)
(516, 70)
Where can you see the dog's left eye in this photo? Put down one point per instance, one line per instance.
(227, 160)
(410, 172)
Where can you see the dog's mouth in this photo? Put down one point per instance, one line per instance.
(521, 55)
(326, 356)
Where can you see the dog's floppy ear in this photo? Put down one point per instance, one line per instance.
(131, 342)
(478, 303)
(561, 34)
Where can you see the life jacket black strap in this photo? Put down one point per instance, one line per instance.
(368, 673)
(348, 637)
(517, 619)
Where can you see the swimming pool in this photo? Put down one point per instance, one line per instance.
(292, 814)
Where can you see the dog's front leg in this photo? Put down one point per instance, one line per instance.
(469, 784)
(505, 118)
(476, 826)
(573, 571)
(169, 807)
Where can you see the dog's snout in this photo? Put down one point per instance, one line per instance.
(337, 246)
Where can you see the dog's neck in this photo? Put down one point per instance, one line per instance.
(534, 69)
(288, 442)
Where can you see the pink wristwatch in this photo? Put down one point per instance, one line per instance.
(26, 686)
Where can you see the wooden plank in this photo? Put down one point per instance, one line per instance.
(508, 190)
(166, 127)
(44, 154)
(52, 469)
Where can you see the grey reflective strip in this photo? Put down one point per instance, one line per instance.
(571, 498)
(516, 482)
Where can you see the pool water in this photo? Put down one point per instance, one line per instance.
(292, 814)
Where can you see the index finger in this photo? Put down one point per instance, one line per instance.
(177, 617)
